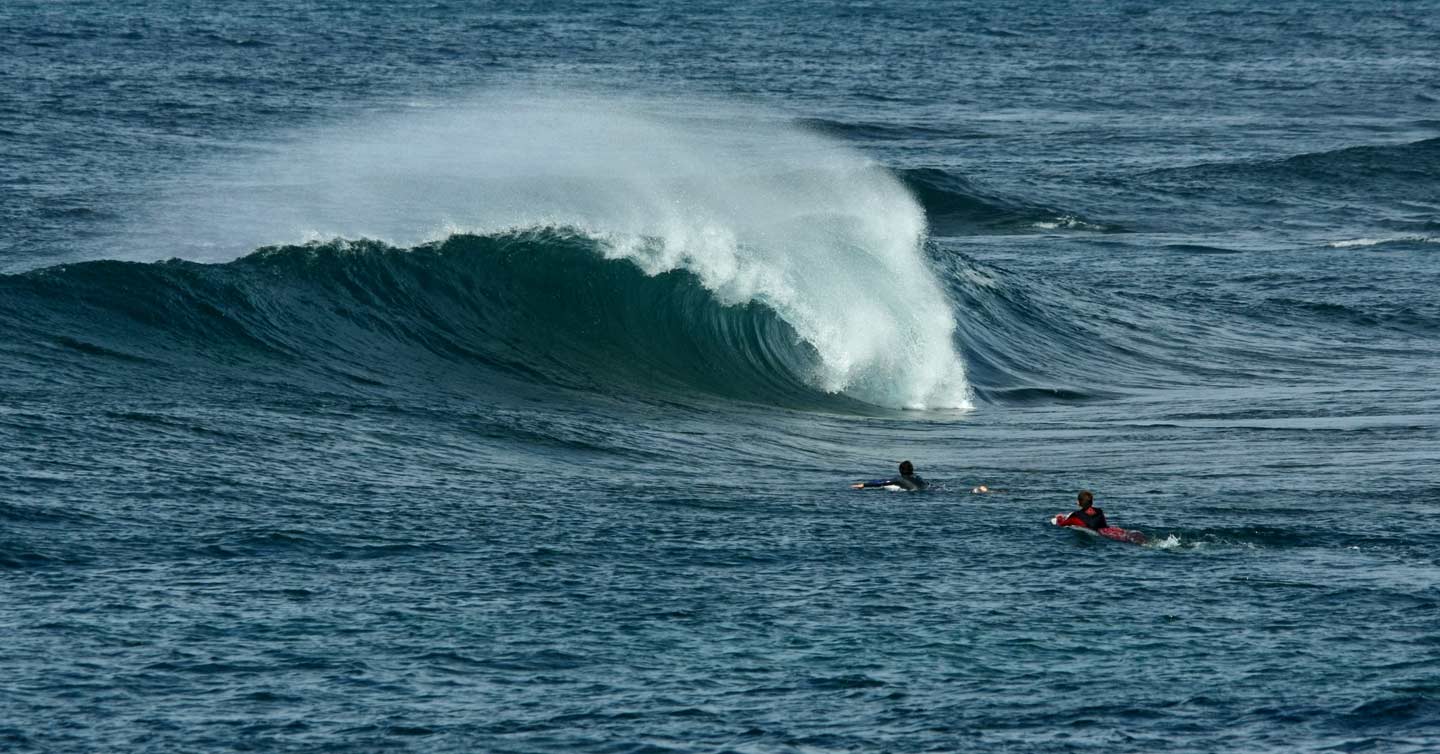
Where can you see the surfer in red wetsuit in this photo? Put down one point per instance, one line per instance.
(1087, 514)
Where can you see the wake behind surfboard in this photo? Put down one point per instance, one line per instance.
(1110, 532)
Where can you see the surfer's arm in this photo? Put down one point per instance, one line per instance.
(872, 483)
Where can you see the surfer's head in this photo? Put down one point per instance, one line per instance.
(1085, 499)
(906, 468)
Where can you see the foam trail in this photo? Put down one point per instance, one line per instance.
(1379, 241)
(758, 210)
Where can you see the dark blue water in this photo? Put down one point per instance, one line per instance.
(455, 377)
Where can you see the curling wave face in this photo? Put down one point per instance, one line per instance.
(480, 313)
(757, 210)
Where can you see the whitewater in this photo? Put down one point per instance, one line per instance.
(754, 207)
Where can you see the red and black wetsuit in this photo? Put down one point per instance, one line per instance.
(1090, 518)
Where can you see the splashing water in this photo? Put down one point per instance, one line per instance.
(757, 209)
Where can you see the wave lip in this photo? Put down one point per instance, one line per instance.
(757, 209)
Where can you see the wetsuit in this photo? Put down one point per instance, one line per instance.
(1090, 518)
(907, 482)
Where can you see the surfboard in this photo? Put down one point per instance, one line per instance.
(1110, 532)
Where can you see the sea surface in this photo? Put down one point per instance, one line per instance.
(489, 377)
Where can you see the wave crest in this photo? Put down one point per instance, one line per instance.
(757, 209)
(547, 306)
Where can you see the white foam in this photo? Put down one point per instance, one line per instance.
(1069, 222)
(1378, 241)
(758, 210)
(1168, 543)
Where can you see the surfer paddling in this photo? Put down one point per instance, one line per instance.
(908, 480)
(1086, 514)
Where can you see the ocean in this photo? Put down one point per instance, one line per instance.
(490, 377)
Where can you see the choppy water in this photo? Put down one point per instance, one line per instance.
(503, 383)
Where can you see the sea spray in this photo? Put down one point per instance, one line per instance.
(756, 208)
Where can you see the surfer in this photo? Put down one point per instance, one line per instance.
(908, 480)
(1086, 514)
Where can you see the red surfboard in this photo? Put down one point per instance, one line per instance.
(1110, 532)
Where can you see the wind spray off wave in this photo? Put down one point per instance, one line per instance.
(757, 209)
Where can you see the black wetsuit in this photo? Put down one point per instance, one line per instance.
(907, 482)
(1092, 518)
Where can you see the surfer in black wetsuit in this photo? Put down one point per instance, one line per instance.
(908, 480)
(1087, 515)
